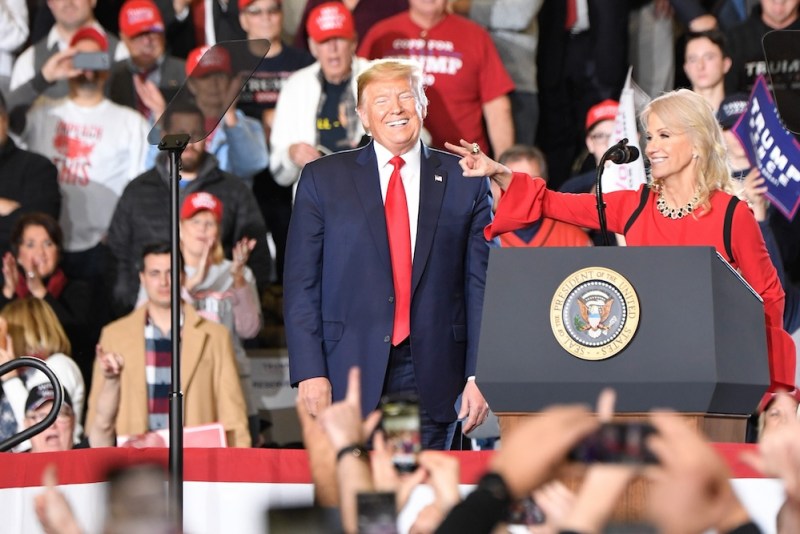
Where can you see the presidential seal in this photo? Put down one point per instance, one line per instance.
(594, 313)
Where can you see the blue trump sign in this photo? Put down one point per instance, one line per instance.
(771, 148)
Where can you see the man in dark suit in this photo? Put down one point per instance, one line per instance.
(353, 296)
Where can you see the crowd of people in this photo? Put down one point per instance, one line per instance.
(365, 170)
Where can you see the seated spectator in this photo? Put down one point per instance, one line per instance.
(365, 13)
(467, 83)
(744, 42)
(81, 134)
(316, 113)
(210, 382)
(262, 19)
(60, 436)
(238, 141)
(46, 65)
(142, 214)
(14, 21)
(149, 68)
(706, 62)
(599, 129)
(30, 183)
(514, 27)
(544, 233)
(32, 269)
(34, 330)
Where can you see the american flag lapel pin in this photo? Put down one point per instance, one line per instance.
(437, 177)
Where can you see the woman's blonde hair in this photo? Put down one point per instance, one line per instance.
(686, 112)
(34, 328)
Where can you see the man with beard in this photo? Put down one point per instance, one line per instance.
(97, 147)
(142, 214)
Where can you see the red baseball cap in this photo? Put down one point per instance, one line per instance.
(206, 60)
(330, 20)
(197, 202)
(604, 111)
(89, 33)
(139, 16)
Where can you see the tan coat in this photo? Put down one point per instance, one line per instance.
(209, 376)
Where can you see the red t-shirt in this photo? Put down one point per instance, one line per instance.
(462, 71)
(527, 200)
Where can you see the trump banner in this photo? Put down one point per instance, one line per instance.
(771, 148)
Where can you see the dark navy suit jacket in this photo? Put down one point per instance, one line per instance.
(338, 291)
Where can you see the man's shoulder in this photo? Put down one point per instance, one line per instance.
(340, 159)
(303, 75)
(144, 182)
(25, 159)
(123, 325)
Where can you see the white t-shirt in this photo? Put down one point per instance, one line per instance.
(97, 151)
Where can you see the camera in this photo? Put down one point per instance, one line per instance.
(401, 425)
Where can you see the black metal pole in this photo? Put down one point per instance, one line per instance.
(174, 145)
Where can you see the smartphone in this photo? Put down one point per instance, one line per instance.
(401, 425)
(525, 512)
(377, 513)
(616, 443)
(91, 61)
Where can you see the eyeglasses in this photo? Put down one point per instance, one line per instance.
(255, 12)
(64, 415)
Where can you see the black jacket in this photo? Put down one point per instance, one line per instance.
(142, 218)
(29, 179)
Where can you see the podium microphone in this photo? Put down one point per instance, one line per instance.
(618, 153)
(621, 153)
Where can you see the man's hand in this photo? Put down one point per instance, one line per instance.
(691, 489)
(302, 153)
(754, 193)
(342, 420)
(151, 96)
(111, 363)
(314, 394)
(474, 408)
(59, 66)
(54, 512)
(555, 431)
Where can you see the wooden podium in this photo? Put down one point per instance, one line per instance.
(699, 347)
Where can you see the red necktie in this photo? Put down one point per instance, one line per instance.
(572, 14)
(397, 227)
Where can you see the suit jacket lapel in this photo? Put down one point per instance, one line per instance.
(192, 341)
(368, 185)
(432, 183)
(132, 347)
